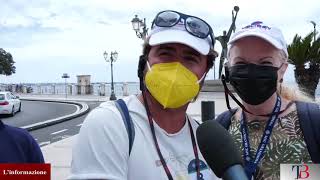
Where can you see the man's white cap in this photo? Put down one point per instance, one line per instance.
(179, 34)
(272, 35)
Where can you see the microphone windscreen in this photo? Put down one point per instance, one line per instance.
(217, 147)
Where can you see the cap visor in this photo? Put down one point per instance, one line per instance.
(263, 36)
(179, 36)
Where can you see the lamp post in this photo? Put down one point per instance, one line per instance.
(65, 76)
(140, 27)
(224, 39)
(314, 30)
(113, 58)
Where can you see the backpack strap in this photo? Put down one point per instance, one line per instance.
(309, 119)
(225, 118)
(123, 109)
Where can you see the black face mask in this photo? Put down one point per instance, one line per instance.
(254, 83)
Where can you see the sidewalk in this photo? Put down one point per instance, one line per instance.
(59, 154)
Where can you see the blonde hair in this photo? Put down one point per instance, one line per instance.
(293, 94)
(289, 92)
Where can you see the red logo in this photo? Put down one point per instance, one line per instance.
(302, 171)
(25, 171)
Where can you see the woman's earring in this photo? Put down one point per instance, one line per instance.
(281, 80)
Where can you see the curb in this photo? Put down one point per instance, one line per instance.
(62, 100)
(84, 108)
(69, 99)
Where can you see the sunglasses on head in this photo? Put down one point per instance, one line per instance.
(194, 25)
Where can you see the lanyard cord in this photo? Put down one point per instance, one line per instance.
(163, 162)
(252, 165)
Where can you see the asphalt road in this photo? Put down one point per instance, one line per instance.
(62, 130)
(37, 111)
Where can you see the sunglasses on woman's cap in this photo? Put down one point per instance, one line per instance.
(198, 28)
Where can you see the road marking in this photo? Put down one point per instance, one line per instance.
(79, 124)
(44, 143)
(55, 137)
(57, 132)
(65, 136)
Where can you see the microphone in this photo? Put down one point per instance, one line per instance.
(220, 152)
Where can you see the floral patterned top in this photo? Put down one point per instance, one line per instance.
(286, 144)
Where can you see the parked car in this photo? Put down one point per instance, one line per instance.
(9, 103)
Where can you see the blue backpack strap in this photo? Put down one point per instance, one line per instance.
(225, 118)
(123, 109)
(309, 119)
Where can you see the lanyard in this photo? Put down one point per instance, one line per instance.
(163, 162)
(251, 165)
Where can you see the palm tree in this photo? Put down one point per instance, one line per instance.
(304, 54)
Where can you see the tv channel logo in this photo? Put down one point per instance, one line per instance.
(299, 171)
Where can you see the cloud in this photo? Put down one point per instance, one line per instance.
(71, 35)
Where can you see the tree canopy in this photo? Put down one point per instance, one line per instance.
(6, 63)
(304, 50)
(304, 54)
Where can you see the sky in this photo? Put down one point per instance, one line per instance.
(50, 37)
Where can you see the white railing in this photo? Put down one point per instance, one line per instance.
(99, 89)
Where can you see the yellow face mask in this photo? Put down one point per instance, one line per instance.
(172, 84)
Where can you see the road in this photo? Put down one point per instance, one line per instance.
(37, 111)
(60, 131)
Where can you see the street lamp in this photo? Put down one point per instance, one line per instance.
(314, 30)
(140, 27)
(113, 58)
(65, 76)
(224, 39)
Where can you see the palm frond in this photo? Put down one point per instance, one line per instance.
(315, 51)
(299, 49)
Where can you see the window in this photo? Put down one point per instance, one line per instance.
(2, 97)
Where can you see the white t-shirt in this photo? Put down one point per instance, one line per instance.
(102, 148)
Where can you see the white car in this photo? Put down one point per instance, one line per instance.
(9, 103)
